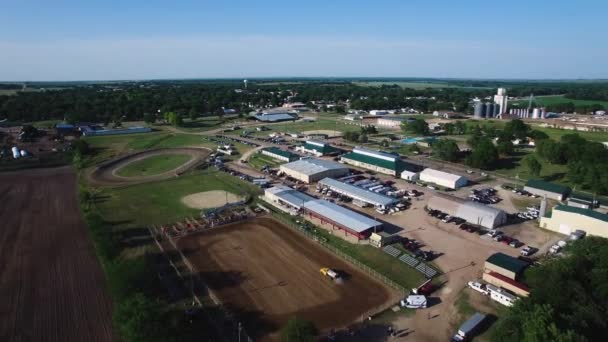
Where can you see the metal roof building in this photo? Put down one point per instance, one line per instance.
(311, 170)
(551, 190)
(339, 217)
(317, 148)
(285, 195)
(566, 219)
(470, 211)
(505, 265)
(349, 221)
(279, 154)
(357, 193)
(275, 117)
(379, 161)
(441, 178)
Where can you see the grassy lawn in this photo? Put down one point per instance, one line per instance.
(160, 202)
(258, 160)
(128, 211)
(513, 167)
(378, 260)
(110, 146)
(556, 133)
(320, 124)
(154, 165)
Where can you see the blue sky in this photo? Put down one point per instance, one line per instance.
(133, 39)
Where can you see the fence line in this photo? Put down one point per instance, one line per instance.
(194, 276)
(368, 270)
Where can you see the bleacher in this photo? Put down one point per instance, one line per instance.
(392, 251)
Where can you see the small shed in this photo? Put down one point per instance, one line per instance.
(505, 265)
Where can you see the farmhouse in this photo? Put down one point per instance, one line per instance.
(470, 211)
(358, 194)
(312, 170)
(277, 153)
(566, 219)
(444, 179)
(551, 190)
(316, 148)
(382, 162)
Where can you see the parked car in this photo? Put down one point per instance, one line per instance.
(515, 243)
(528, 250)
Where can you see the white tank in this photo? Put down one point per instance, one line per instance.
(15, 151)
(23, 153)
(535, 113)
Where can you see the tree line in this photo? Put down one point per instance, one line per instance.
(568, 300)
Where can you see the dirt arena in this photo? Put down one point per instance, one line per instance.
(267, 273)
(210, 199)
(105, 174)
(51, 285)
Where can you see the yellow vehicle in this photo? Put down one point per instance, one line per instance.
(328, 272)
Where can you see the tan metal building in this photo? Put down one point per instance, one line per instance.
(566, 219)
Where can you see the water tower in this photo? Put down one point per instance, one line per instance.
(245, 83)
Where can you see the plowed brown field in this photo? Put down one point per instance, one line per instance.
(267, 273)
(51, 285)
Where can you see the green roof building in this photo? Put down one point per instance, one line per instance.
(566, 219)
(505, 265)
(382, 162)
(277, 153)
(317, 148)
(550, 190)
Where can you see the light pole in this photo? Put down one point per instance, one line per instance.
(240, 327)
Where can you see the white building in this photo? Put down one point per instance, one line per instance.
(391, 121)
(410, 175)
(376, 112)
(501, 100)
(444, 179)
(476, 213)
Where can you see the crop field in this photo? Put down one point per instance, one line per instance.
(52, 287)
(413, 85)
(266, 273)
(556, 99)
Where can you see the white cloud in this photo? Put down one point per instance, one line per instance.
(274, 56)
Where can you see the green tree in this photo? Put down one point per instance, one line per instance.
(568, 301)
(298, 330)
(517, 128)
(446, 149)
(417, 126)
(193, 114)
(138, 318)
(149, 118)
(533, 165)
(484, 155)
(173, 118)
(363, 138)
(505, 148)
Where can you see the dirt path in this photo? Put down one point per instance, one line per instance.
(105, 174)
(52, 287)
